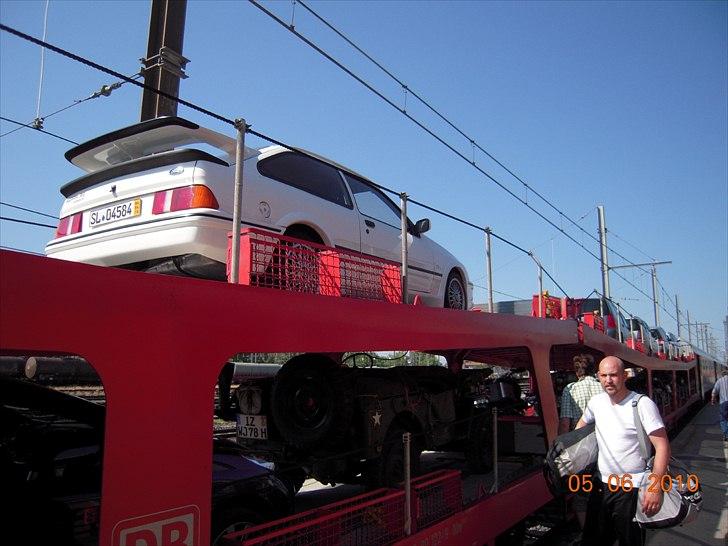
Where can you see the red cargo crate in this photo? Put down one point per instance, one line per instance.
(278, 261)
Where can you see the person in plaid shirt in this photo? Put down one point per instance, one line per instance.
(576, 395)
(574, 398)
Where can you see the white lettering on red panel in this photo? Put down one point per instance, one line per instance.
(175, 527)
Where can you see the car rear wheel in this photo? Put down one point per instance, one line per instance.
(455, 294)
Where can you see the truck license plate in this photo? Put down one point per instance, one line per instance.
(252, 427)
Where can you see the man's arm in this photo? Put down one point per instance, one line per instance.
(652, 501)
(580, 424)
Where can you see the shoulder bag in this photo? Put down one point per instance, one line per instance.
(682, 496)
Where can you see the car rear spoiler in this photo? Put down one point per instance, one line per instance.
(147, 138)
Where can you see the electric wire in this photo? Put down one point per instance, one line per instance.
(114, 73)
(42, 62)
(444, 143)
(28, 222)
(3, 203)
(104, 91)
(408, 90)
(631, 245)
(30, 126)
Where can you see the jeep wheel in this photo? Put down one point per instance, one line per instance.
(312, 402)
(388, 470)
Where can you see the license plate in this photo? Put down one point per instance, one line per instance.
(114, 213)
(252, 427)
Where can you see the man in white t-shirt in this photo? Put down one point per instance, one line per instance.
(613, 502)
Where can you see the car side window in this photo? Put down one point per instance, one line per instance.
(372, 203)
(307, 174)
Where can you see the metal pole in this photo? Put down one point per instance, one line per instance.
(618, 322)
(604, 256)
(406, 439)
(655, 299)
(677, 316)
(540, 291)
(690, 337)
(489, 260)
(238, 204)
(403, 227)
(495, 450)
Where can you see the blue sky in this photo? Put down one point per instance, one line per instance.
(618, 104)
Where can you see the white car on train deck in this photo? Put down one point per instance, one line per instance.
(158, 196)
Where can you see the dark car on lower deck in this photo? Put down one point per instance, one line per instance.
(51, 450)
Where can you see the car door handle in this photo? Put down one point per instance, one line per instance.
(369, 223)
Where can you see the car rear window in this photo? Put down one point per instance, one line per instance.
(307, 174)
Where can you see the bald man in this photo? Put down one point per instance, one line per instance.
(610, 513)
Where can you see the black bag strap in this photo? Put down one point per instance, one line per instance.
(641, 434)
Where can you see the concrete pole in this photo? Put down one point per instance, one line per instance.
(677, 316)
(403, 226)
(238, 201)
(605, 258)
(690, 337)
(489, 262)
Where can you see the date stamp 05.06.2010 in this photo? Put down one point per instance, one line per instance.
(623, 482)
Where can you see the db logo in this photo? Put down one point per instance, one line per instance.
(176, 527)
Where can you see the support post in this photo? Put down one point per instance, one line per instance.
(494, 489)
(403, 227)
(655, 297)
(489, 261)
(677, 317)
(540, 283)
(406, 440)
(604, 255)
(690, 335)
(238, 199)
(618, 322)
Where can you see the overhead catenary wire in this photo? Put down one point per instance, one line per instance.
(38, 120)
(103, 91)
(31, 126)
(446, 144)
(114, 73)
(5, 204)
(28, 222)
(408, 90)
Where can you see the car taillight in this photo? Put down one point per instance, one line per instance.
(189, 197)
(69, 225)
